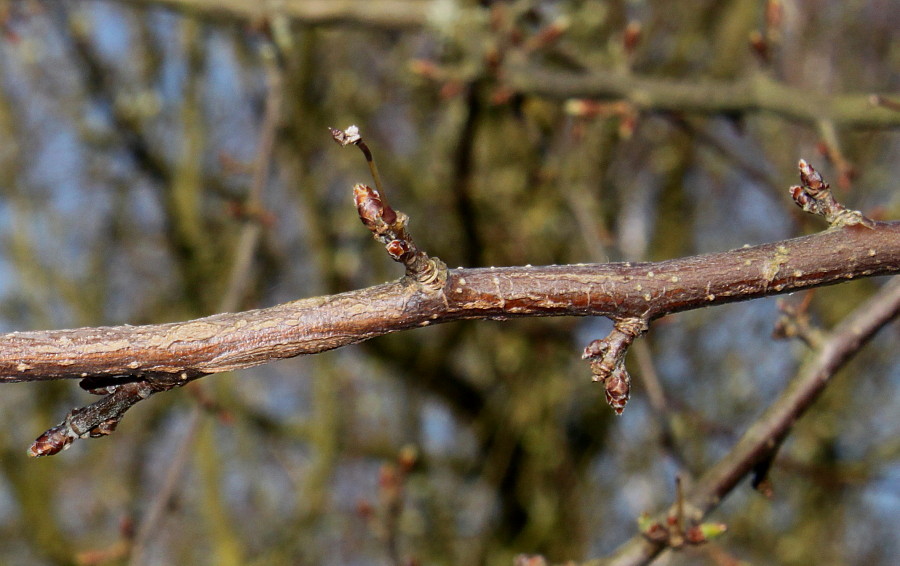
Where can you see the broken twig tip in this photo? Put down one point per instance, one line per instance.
(350, 136)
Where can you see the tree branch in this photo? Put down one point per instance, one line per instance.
(753, 93)
(756, 92)
(128, 364)
(230, 341)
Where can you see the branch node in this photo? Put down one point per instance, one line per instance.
(814, 196)
(607, 357)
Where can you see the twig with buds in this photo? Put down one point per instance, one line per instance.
(814, 196)
(608, 360)
(674, 532)
(387, 225)
(102, 418)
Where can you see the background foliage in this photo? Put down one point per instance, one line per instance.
(138, 187)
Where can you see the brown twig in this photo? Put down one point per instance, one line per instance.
(131, 363)
(607, 357)
(387, 225)
(101, 418)
(167, 355)
(814, 196)
(230, 341)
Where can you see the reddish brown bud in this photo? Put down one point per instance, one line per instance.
(694, 536)
(365, 509)
(368, 204)
(656, 533)
(372, 206)
(800, 196)
(811, 179)
(760, 46)
(618, 389)
(408, 457)
(397, 249)
(595, 349)
(632, 36)
(51, 442)
(388, 214)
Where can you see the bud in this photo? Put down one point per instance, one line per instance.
(397, 249)
(618, 389)
(371, 207)
(811, 179)
(368, 205)
(632, 36)
(408, 457)
(51, 442)
(760, 46)
(595, 349)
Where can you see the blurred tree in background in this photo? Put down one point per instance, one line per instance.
(164, 160)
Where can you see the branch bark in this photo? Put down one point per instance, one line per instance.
(231, 341)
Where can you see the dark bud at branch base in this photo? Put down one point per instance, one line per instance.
(806, 201)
